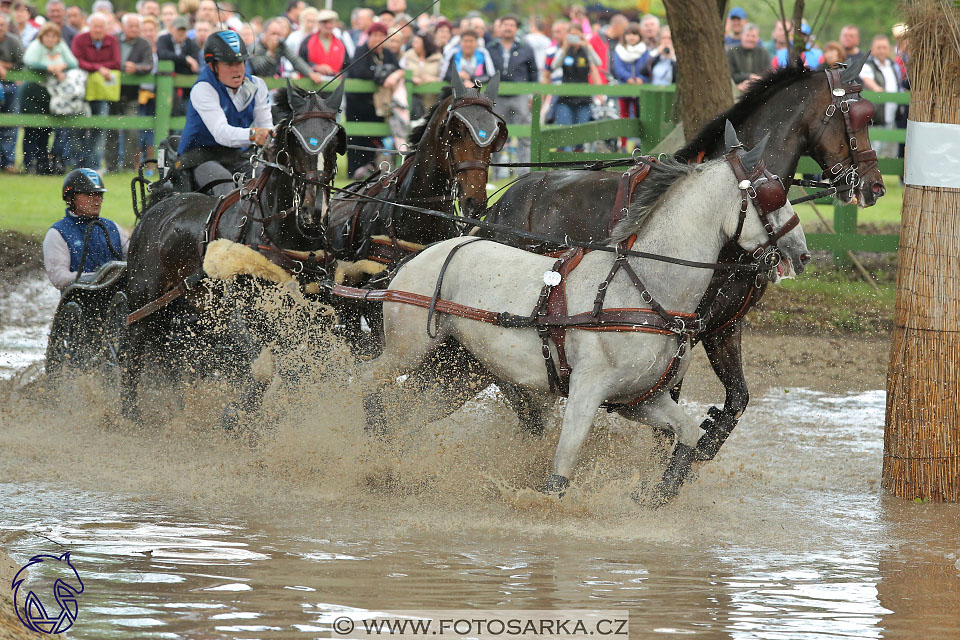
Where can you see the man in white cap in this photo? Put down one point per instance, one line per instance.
(324, 51)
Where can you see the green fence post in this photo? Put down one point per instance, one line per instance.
(535, 109)
(844, 223)
(164, 99)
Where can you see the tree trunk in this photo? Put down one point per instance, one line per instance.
(704, 86)
(921, 444)
(798, 44)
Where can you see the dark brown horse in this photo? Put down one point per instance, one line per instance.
(448, 167)
(278, 211)
(805, 113)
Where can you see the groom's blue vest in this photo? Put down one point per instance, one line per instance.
(72, 228)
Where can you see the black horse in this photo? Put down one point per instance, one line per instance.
(806, 113)
(448, 166)
(278, 213)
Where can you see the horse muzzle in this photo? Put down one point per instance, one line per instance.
(871, 190)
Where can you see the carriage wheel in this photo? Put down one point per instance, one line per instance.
(63, 345)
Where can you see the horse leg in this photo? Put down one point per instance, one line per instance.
(399, 356)
(581, 411)
(528, 407)
(252, 396)
(664, 413)
(726, 358)
(131, 366)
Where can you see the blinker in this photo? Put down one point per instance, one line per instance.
(861, 113)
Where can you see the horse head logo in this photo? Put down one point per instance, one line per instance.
(66, 585)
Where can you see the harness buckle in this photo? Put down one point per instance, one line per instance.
(646, 297)
(299, 268)
(853, 143)
(545, 352)
(831, 109)
(845, 106)
(837, 168)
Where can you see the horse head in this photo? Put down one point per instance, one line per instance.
(840, 137)
(773, 235)
(307, 145)
(61, 583)
(471, 132)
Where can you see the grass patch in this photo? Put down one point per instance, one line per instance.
(883, 216)
(30, 204)
(824, 299)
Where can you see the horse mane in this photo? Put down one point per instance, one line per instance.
(281, 105)
(758, 93)
(416, 136)
(663, 175)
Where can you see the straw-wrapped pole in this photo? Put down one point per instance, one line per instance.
(921, 447)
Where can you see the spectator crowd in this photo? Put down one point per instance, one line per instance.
(82, 57)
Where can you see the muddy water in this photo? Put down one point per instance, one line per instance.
(179, 532)
(25, 312)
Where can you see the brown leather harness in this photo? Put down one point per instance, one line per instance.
(857, 113)
(550, 316)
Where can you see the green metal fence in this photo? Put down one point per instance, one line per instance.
(657, 118)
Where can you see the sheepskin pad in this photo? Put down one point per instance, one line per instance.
(225, 260)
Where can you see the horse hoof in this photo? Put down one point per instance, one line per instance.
(555, 485)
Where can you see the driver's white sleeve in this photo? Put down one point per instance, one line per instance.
(56, 260)
(262, 115)
(206, 102)
(124, 241)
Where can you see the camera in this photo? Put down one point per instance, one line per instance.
(666, 51)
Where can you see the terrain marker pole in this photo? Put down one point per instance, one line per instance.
(921, 443)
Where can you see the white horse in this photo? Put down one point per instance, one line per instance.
(688, 211)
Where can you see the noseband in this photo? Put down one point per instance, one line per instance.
(856, 112)
(767, 193)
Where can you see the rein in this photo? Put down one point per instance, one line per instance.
(467, 221)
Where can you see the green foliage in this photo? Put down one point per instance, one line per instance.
(871, 16)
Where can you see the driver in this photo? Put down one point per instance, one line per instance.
(228, 110)
(63, 245)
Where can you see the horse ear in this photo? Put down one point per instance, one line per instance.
(335, 99)
(294, 98)
(457, 83)
(493, 87)
(852, 73)
(753, 157)
(730, 140)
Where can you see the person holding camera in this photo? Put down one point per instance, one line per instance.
(660, 63)
(580, 64)
(383, 68)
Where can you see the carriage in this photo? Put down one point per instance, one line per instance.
(89, 322)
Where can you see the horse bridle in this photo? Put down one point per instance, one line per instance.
(768, 194)
(857, 112)
(456, 168)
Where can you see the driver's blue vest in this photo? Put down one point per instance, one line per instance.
(72, 228)
(195, 134)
